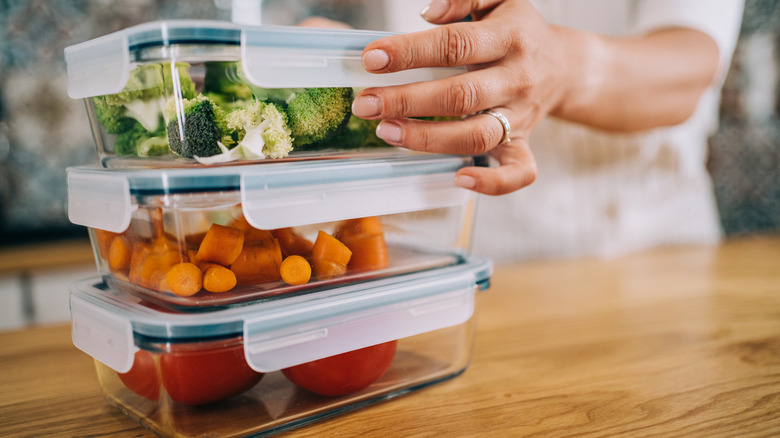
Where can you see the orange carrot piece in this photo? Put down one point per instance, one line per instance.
(152, 270)
(363, 226)
(250, 233)
(104, 239)
(258, 262)
(366, 239)
(369, 253)
(184, 279)
(329, 256)
(119, 255)
(295, 270)
(221, 245)
(140, 251)
(293, 243)
(218, 279)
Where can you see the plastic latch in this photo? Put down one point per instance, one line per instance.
(102, 335)
(276, 349)
(338, 65)
(99, 201)
(98, 67)
(270, 208)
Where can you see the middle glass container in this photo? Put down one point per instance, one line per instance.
(200, 238)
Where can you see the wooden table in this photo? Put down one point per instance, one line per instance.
(678, 342)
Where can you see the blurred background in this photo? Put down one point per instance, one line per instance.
(43, 131)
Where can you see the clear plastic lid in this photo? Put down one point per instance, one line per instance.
(271, 56)
(282, 333)
(276, 195)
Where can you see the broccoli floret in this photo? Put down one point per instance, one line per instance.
(137, 141)
(125, 142)
(112, 117)
(318, 114)
(261, 126)
(197, 134)
(143, 97)
(224, 85)
(359, 133)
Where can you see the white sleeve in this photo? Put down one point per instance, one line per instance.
(720, 19)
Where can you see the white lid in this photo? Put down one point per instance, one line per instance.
(271, 56)
(288, 331)
(277, 195)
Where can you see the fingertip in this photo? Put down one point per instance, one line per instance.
(465, 181)
(375, 59)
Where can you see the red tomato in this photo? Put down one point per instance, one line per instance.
(343, 373)
(197, 376)
(142, 377)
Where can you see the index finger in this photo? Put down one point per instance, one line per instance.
(451, 45)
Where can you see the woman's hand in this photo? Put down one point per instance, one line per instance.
(524, 68)
(515, 68)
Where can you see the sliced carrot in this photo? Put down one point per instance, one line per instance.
(295, 270)
(184, 279)
(250, 233)
(139, 253)
(221, 245)
(104, 239)
(218, 279)
(329, 256)
(153, 268)
(369, 253)
(365, 238)
(258, 262)
(363, 226)
(119, 254)
(293, 243)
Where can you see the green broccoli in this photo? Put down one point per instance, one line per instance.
(137, 141)
(264, 124)
(359, 133)
(197, 134)
(143, 98)
(318, 114)
(224, 85)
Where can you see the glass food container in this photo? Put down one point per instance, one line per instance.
(199, 238)
(192, 93)
(275, 365)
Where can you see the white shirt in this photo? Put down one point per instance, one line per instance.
(600, 193)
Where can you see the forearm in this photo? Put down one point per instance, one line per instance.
(633, 84)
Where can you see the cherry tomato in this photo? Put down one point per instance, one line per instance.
(197, 375)
(142, 377)
(343, 373)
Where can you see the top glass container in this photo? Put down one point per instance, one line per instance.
(193, 93)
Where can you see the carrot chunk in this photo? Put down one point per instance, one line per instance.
(250, 233)
(295, 270)
(218, 279)
(293, 243)
(329, 256)
(184, 279)
(365, 238)
(119, 255)
(221, 245)
(258, 262)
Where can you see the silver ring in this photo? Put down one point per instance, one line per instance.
(504, 123)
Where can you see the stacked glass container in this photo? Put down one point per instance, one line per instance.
(260, 265)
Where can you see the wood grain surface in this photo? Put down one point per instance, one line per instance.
(668, 342)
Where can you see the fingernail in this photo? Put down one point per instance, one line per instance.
(367, 106)
(375, 59)
(389, 132)
(465, 181)
(435, 9)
